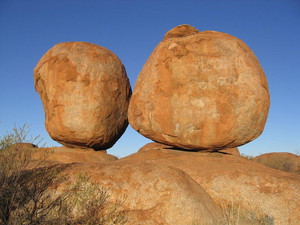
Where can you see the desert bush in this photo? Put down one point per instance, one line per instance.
(23, 193)
(25, 198)
(28, 191)
(19, 135)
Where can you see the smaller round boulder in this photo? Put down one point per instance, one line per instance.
(85, 92)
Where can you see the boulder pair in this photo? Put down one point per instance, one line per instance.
(197, 90)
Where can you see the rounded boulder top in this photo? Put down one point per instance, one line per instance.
(180, 31)
(200, 90)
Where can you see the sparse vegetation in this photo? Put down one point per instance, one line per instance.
(246, 156)
(28, 191)
(19, 135)
(235, 215)
(89, 204)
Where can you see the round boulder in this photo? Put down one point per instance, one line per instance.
(85, 92)
(200, 90)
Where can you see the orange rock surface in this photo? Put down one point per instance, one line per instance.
(154, 194)
(85, 93)
(158, 146)
(64, 155)
(233, 180)
(200, 90)
(231, 151)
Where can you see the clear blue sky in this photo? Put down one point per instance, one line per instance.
(132, 29)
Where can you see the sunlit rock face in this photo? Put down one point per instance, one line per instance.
(85, 93)
(271, 195)
(200, 90)
(150, 194)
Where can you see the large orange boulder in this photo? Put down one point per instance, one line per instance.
(251, 190)
(85, 93)
(200, 90)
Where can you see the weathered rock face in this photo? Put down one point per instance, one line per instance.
(231, 151)
(200, 90)
(161, 147)
(280, 160)
(154, 146)
(155, 194)
(269, 194)
(85, 93)
(64, 155)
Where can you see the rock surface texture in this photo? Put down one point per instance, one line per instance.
(158, 146)
(280, 160)
(155, 194)
(200, 90)
(85, 93)
(64, 155)
(268, 194)
(230, 151)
